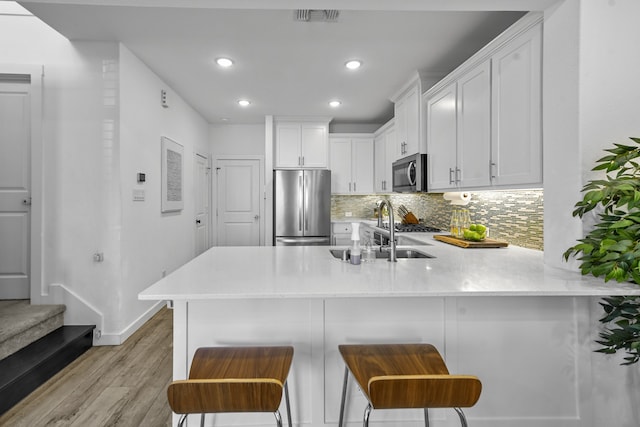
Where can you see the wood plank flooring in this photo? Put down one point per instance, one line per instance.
(123, 385)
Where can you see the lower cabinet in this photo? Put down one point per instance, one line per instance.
(532, 354)
(340, 233)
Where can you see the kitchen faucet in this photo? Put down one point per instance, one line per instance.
(392, 236)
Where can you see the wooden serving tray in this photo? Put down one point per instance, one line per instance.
(486, 243)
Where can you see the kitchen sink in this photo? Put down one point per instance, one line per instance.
(401, 253)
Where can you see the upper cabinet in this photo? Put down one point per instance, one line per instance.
(407, 118)
(459, 117)
(384, 153)
(516, 131)
(301, 145)
(351, 163)
(483, 121)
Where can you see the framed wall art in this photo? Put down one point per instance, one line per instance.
(172, 175)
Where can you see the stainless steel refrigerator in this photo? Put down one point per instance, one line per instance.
(302, 207)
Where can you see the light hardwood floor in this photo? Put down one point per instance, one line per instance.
(122, 385)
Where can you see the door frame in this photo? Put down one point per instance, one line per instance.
(209, 195)
(36, 258)
(214, 196)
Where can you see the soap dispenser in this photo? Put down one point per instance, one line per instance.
(355, 243)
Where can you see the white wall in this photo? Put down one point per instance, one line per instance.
(152, 242)
(609, 112)
(92, 149)
(591, 100)
(237, 139)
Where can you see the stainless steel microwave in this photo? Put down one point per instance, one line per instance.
(410, 174)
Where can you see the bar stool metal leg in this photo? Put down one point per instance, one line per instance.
(202, 420)
(344, 395)
(463, 419)
(278, 418)
(426, 417)
(286, 398)
(367, 412)
(182, 419)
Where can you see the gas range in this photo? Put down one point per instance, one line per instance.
(413, 228)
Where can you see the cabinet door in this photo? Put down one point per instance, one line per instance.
(474, 127)
(288, 146)
(412, 108)
(362, 165)
(400, 119)
(391, 157)
(340, 165)
(380, 160)
(441, 138)
(516, 100)
(314, 146)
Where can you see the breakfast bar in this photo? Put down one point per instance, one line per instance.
(525, 329)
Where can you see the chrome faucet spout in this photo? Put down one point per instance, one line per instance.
(392, 236)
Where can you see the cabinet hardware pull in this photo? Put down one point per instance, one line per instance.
(302, 160)
(492, 167)
(354, 187)
(458, 173)
(349, 187)
(451, 181)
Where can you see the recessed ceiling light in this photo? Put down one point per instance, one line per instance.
(335, 103)
(244, 103)
(353, 64)
(224, 62)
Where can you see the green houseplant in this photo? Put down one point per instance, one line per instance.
(612, 248)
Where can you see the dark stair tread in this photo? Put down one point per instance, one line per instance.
(30, 367)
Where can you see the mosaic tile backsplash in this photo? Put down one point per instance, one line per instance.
(514, 216)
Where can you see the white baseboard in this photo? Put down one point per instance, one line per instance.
(121, 337)
(80, 312)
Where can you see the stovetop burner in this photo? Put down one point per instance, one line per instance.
(413, 228)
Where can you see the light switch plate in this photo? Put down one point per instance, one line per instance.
(138, 195)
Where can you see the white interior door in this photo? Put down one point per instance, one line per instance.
(203, 190)
(15, 190)
(238, 204)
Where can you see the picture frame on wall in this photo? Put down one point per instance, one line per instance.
(172, 175)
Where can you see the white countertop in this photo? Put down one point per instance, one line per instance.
(312, 272)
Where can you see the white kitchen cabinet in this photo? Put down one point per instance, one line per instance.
(442, 138)
(384, 153)
(351, 163)
(516, 149)
(407, 113)
(301, 145)
(341, 233)
(483, 121)
(458, 132)
(474, 127)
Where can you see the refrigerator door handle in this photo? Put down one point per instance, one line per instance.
(300, 207)
(306, 202)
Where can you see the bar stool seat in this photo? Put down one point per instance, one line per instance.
(394, 376)
(233, 379)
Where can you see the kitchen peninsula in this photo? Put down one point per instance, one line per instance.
(523, 328)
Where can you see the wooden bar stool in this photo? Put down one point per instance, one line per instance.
(394, 376)
(233, 379)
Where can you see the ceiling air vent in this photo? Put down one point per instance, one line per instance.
(317, 15)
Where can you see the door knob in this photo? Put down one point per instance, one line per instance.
(257, 217)
(198, 221)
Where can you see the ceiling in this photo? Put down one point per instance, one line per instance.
(282, 66)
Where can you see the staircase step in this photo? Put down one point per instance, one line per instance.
(32, 366)
(22, 323)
